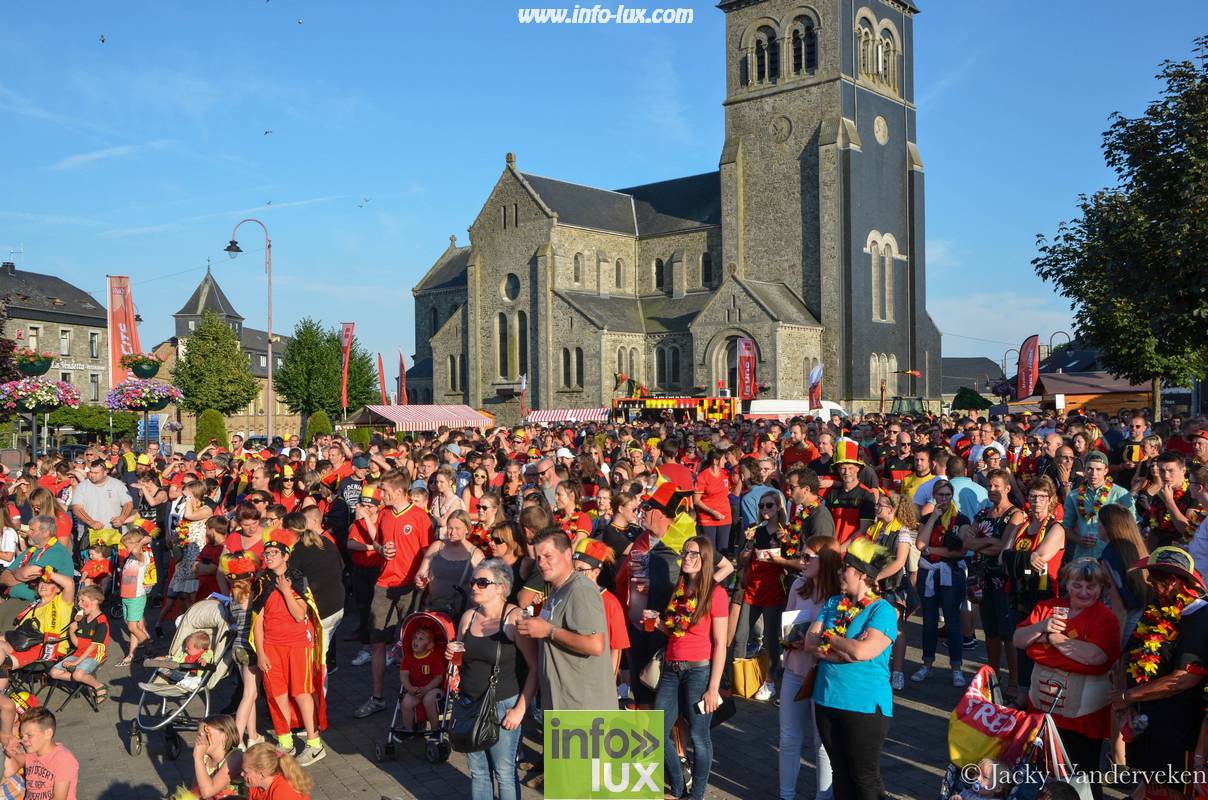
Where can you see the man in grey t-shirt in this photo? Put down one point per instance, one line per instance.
(101, 501)
(575, 661)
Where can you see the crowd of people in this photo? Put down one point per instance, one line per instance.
(662, 564)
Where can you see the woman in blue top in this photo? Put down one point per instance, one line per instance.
(852, 638)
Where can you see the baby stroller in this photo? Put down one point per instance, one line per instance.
(437, 748)
(164, 704)
(1026, 744)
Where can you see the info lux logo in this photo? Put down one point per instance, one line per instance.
(604, 754)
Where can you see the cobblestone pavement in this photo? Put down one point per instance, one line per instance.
(745, 756)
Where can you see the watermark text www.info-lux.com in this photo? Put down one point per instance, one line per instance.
(604, 15)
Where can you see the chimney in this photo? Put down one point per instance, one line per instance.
(8, 268)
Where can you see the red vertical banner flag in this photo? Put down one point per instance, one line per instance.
(123, 333)
(746, 368)
(346, 344)
(815, 387)
(382, 381)
(1029, 367)
(402, 381)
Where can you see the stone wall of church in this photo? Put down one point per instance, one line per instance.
(599, 252)
(797, 350)
(574, 333)
(732, 313)
(623, 353)
(691, 246)
(448, 355)
(665, 341)
(445, 302)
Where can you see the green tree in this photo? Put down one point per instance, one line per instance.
(308, 379)
(967, 399)
(1154, 222)
(214, 373)
(320, 424)
(362, 376)
(95, 420)
(210, 425)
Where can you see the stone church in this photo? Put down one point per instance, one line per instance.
(808, 239)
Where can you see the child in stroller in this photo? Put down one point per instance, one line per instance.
(422, 676)
(413, 709)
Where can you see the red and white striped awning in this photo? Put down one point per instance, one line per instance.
(547, 415)
(423, 418)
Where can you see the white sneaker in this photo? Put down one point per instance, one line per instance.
(897, 681)
(311, 754)
(362, 658)
(921, 674)
(765, 692)
(958, 679)
(371, 706)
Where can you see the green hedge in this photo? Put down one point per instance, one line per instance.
(210, 425)
(319, 424)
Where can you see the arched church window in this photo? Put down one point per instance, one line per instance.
(767, 56)
(706, 269)
(674, 367)
(619, 274)
(566, 367)
(504, 344)
(660, 367)
(578, 271)
(522, 341)
(579, 367)
(660, 274)
(805, 47)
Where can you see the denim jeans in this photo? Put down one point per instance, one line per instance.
(950, 599)
(796, 718)
(677, 694)
(499, 762)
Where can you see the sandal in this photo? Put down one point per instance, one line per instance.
(125, 662)
(100, 695)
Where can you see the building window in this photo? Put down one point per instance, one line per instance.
(706, 270)
(432, 319)
(660, 367)
(675, 366)
(877, 53)
(621, 361)
(452, 373)
(504, 367)
(522, 340)
(65, 377)
(619, 274)
(566, 383)
(94, 387)
(34, 332)
(263, 361)
(633, 363)
(767, 56)
(94, 344)
(577, 276)
(882, 252)
(805, 47)
(64, 342)
(660, 274)
(504, 210)
(579, 367)
(891, 376)
(515, 214)
(192, 324)
(461, 373)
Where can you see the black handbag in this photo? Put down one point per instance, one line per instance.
(25, 636)
(476, 721)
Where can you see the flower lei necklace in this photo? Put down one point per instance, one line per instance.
(847, 610)
(1158, 627)
(677, 618)
(790, 546)
(1100, 500)
(1159, 515)
(479, 537)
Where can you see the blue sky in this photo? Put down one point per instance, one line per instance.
(136, 156)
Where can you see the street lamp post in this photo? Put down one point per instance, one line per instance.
(233, 250)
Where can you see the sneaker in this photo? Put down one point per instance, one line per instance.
(391, 659)
(190, 683)
(958, 679)
(362, 658)
(311, 754)
(897, 681)
(765, 692)
(921, 674)
(371, 706)
(970, 643)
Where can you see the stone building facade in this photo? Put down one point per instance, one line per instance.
(48, 314)
(808, 239)
(208, 296)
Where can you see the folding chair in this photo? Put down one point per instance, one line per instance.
(74, 689)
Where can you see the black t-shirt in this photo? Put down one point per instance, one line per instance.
(1178, 717)
(617, 541)
(324, 572)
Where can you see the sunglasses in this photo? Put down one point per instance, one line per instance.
(497, 540)
(482, 583)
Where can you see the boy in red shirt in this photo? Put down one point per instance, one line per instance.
(423, 677)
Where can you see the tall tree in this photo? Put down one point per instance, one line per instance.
(95, 420)
(214, 373)
(1154, 222)
(308, 379)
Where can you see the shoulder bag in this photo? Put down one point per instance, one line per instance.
(476, 721)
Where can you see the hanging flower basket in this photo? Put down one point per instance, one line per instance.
(31, 362)
(140, 395)
(144, 365)
(37, 396)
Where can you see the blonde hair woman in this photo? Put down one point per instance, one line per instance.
(274, 775)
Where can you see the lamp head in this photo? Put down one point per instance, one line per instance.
(233, 249)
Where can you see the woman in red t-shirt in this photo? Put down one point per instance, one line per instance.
(1074, 640)
(272, 774)
(713, 501)
(567, 516)
(689, 686)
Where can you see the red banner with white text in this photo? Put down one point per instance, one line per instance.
(346, 345)
(123, 332)
(1029, 367)
(746, 369)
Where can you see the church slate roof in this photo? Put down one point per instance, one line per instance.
(586, 206)
(662, 314)
(208, 296)
(31, 295)
(420, 370)
(677, 204)
(449, 272)
(783, 304)
(665, 314)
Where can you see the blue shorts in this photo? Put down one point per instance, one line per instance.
(133, 608)
(74, 663)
